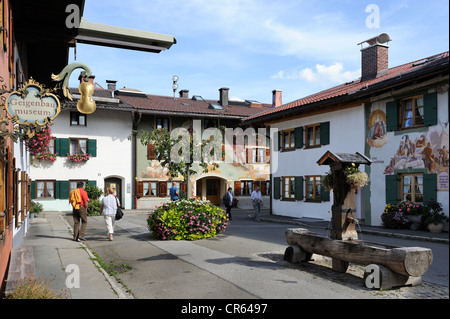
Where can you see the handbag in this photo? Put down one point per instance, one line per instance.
(119, 212)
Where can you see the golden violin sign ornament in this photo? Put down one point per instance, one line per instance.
(86, 104)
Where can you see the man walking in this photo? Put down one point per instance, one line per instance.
(228, 201)
(174, 192)
(257, 203)
(79, 200)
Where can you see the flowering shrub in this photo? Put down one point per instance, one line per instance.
(38, 144)
(79, 157)
(187, 219)
(396, 216)
(46, 157)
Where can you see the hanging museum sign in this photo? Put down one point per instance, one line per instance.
(33, 105)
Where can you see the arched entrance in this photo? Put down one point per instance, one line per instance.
(211, 188)
(117, 184)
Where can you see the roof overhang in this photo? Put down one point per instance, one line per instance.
(117, 37)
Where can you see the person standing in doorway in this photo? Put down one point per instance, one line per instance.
(228, 201)
(108, 208)
(174, 192)
(257, 203)
(79, 200)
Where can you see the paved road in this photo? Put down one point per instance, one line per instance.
(244, 262)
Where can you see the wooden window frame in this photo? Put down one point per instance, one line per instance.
(163, 119)
(413, 185)
(288, 181)
(291, 138)
(46, 181)
(75, 117)
(315, 135)
(414, 108)
(311, 195)
(79, 148)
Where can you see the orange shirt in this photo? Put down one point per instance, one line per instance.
(84, 197)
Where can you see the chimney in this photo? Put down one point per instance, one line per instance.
(91, 79)
(375, 58)
(224, 96)
(184, 94)
(276, 98)
(111, 85)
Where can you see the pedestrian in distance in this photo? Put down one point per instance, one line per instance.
(174, 192)
(108, 208)
(79, 200)
(256, 198)
(228, 201)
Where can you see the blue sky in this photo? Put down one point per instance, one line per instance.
(255, 46)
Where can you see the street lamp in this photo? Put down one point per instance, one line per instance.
(175, 85)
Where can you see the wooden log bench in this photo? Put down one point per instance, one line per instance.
(407, 264)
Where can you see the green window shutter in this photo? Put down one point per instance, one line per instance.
(324, 194)
(62, 146)
(33, 189)
(325, 133)
(391, 116)
(276, 188)
(92, 183)
(92, 147)
(429, 188)
(62, 189)
(279, 141)
(430, 109)
(298, 187)
(298, 132)
(391, 189)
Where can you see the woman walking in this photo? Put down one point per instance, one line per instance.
(108, 209)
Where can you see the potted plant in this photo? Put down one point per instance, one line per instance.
(327, 181)
(434, 217)
(35, 208)
(77, 158)
(356, 178)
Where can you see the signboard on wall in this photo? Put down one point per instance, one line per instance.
(33, 105)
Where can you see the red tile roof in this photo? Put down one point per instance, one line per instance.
(352, 87)
(157, 103)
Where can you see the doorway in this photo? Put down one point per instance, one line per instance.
(213, 190)
(117, 184)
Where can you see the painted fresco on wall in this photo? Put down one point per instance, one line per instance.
(427, 150)
(378, 136)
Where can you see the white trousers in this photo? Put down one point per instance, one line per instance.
(109, 220)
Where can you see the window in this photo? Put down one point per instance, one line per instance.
(312, 188)
(77, 119)
(256, 155)
(150, 188)
(52, 146)
(73, 184)
(288, 188)
(288, 140)
(163, 122)
(45, 189)
(246, 188)
(210, 123)
(412, 112)
(78, 146)
(312, 135)
(412, 187)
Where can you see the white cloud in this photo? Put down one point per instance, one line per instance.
(322, 74)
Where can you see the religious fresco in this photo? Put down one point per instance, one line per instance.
(378, 136)
(424, 150)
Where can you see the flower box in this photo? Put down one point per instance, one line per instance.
(78, 158)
